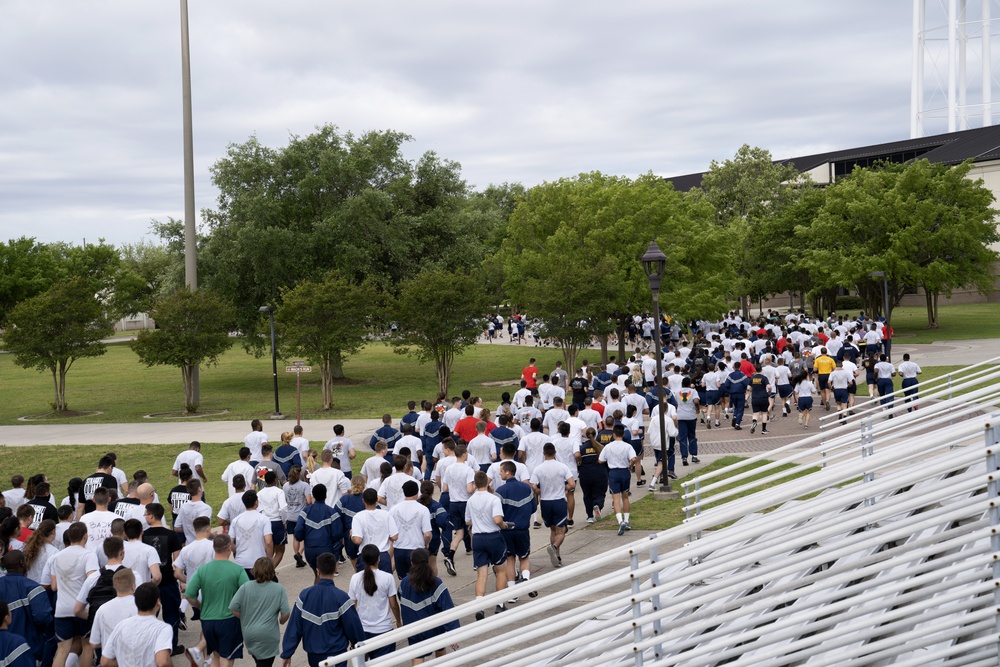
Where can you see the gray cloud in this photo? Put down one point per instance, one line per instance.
(90, 123)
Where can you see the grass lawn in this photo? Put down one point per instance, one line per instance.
(61, 463)
(379, 381)
(965, 322)
(650, 514)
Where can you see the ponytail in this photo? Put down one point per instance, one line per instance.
(370, 557)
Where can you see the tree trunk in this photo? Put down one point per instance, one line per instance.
(623, 323)
(929, 302)
(442, 365)
(326, 380)
(604, 350)
(55, 388)
(937, 322)
(336, 366)
(569, 357)
(187, 377)
(61, 397)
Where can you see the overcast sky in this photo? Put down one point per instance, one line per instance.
(90, 91)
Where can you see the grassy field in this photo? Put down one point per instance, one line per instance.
(379, 381)
(965, 322)
(651, 514)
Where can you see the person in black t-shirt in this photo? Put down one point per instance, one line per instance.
(43, 506)
(579, 387)
(94, 481)
(593, 474)
(179, 496)
(168, 545)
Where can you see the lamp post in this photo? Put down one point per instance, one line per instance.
(190, 235)
(274, 362)
(654, 262)
(885, 309)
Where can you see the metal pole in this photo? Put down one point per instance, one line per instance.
(190, 238)
(987, 65)
(659, 392)
(274, 370)
(952, 65)
(636, 607)
(917, 84)
(888, 340)
(298, 398)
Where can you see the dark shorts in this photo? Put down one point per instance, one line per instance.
(278, 535)
(289, 529)
(68, 627)
(619, 480)
(841, 395)
(784, 390)
(456, 514)
(488, 549)
(852, 388)
(224, 636)
(805, 403)
(311, 554)
(518, 542)
(711, 397)
(554, 513)
(759, 405)
(384, 563)
(401, 558)
(824, 380)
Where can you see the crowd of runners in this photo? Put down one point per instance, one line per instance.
(110, 572)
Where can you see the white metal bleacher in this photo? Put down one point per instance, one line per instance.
(886, 552)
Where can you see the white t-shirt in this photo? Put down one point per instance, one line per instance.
(550, 476)
(272, 502)
(238, 468)
(190, 457)
(194, 555)
(136, 641)
(341, 448)
(109, 615)
(248, 531)
(301, 444)
(552, 419)
(139, 557)
(412, 519)
(805, 388)
(373, 610)
(14, 498)
(98, 525)
(370, 469)
(522, 474)
(37, 571)
(591, 418)
(91, 581)
(456, 477)
(618, 454)
(482, 448)
(481, 509)
(70, 569)
(374, 527)
(188, 513)
(335, 481)
(392, 488)
(254, 441)
(566, 448)
(840, 378)
(533, 444)
(232, 507)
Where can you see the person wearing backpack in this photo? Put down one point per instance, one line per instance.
(99, 587)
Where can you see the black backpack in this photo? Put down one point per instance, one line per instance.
(103, 590)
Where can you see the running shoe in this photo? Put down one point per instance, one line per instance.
(671, 474)
(538, 524)
(590, 519)
(597, 513)
(501, 609)
(553, 555)
(449, 565)
(753, 427)
(684, 462)
(182, 622)
(480, 615)
(628, 526)
(695, 459)
(299, 561)
(195, 656)
(621, 528)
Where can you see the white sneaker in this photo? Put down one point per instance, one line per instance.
(590, 519)
(195, 656)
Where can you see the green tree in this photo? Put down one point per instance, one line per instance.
(745, 192)
(192, 330)
(439, 314)
(326, 321)
(27, 268)
(334, 200)
(52, 330)
(572, 256)
(922, 224)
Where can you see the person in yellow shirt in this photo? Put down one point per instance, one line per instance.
(824, 365)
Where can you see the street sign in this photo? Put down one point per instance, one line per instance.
(298, 369)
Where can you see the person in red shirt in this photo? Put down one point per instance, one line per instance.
(466, 426)
(746, 366)
(530, 377)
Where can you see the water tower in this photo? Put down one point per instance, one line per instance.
(954, 51)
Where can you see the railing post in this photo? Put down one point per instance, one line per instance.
(697, 500)
(654, 579)
(993, 493)
(867, 449)
(636, 608)
(357, 661)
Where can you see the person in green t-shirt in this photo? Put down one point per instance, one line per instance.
(217, 581)
(261, 605)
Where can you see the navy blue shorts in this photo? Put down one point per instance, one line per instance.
(805, 403)
(488, 549)
(384, 563)
(841, 395)
(554, 513)
(456, 514)
(518, 542)
(225, 636)
(824, 380)
(711, 397)
(278, 536)
(68, 627)
(401, 558)
(784, 390)
(289, 529)
(619, 480)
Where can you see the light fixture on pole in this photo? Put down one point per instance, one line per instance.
(885, 309)
(654, 263)
(274, 362)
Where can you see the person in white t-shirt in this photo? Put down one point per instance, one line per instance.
(482, 448)
(805, 390)
(552, 483)
(619, 457)
(413, 521)
(272, 504)
(141, 558)
(142, 640)
(333, 478)
(189, 511)
(255, 440)
(374, 526)
(484, 517)
(299, 441)
(251, 534)
(192, 456)
(99, 521)
(374, 594)
(113, 612)
(70, 569)
(239, 467)
(909, 370)
(342, 448)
